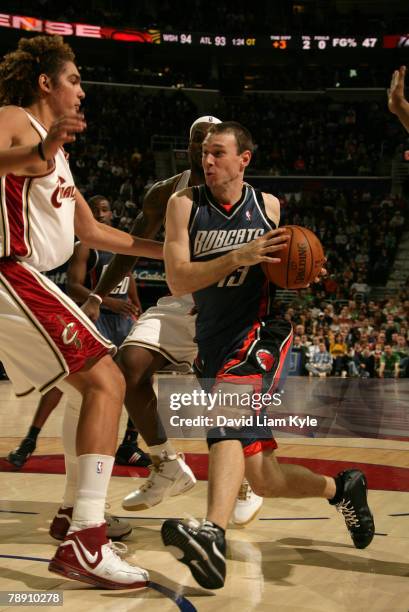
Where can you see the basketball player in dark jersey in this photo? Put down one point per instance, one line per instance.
(216, 237)
(164, 335)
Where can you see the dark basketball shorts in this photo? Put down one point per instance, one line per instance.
(251, 367)
(114, 326)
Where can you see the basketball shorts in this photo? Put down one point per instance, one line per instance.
(113, 326)
(255, 365)
(44, 335)
(168, 328)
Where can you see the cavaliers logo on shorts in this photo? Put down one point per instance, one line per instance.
(265, 360)
(69, 334)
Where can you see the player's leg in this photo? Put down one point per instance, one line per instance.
(116, 328)
(117, 529)
(86, 553)
(138, 365)
(44, 338)
(347, 491)
(46, 405)
(170, 475)
(128, 451)
(202, 545)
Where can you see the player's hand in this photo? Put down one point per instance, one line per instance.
(396, 91)
(91, 309)
(121, 307)
(321, 275)
(63, 130)
(262, 248)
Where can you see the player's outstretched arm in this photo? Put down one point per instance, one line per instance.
(397, 103)
(101, 236)
(18, 156)
(184, 276)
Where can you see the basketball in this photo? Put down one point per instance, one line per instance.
(300, 263)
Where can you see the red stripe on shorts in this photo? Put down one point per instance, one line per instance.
(259, 446)
(281, 361)
(74, 341)
(14, 187)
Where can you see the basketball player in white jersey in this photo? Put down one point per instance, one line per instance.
(45, 338)
(163, 334)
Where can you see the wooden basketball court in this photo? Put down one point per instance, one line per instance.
(295, 557)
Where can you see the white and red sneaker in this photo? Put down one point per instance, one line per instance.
(88, 556)
(117, 529)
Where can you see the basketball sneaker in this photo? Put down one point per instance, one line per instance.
(22, 453)
(131, 454)
(200, 546)
(247, 505)
(168, 478)
(88, 556)
(117, 529)
(354, 507)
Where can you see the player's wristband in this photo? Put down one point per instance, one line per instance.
(95, 296)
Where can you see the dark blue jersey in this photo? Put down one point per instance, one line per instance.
(59, 276)
(228, 309)
(97, 263)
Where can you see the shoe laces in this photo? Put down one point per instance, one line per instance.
(118, 548)
(348, 512)
(158, 469)
(244, 492)
(203, 525)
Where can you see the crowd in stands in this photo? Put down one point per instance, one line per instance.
(355, 338)
(317, 137)
(359, 231)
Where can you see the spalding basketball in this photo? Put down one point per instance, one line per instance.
(301, 261)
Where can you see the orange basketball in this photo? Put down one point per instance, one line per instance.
(300, 263)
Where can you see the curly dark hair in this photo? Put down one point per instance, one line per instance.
(20, 69)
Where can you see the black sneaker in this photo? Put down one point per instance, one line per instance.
(200, 546)
(355, 509)
(131, 454)
(19, 456)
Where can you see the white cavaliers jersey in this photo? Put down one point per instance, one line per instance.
(37, 213)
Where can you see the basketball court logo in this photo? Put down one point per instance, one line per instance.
(265, 360)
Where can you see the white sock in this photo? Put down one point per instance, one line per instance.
(164, 452)
(94, 473)
(69, 435)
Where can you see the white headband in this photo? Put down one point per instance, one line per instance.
(204, 119)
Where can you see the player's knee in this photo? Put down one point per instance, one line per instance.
(132, 364)
(108, 379)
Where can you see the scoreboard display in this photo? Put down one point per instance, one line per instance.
(279, 42)
(220, 40)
